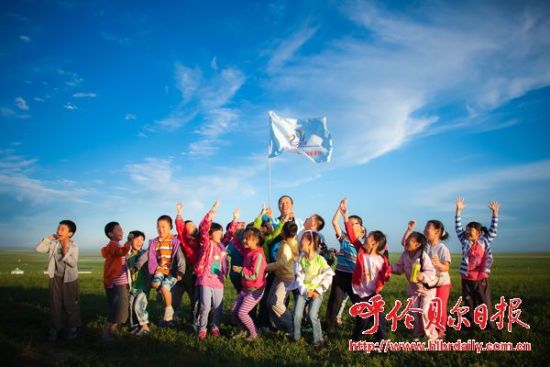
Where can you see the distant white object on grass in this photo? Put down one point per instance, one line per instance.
(17, 271)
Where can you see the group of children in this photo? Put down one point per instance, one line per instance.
(268, 261)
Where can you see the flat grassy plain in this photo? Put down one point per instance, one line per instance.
(24, 322)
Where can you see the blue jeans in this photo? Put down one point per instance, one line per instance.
(138, 308)
(313, 314)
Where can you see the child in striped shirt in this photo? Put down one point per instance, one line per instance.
(165, 262)
(477, 258)
(115, 278)
(313, 278)
(252, 276)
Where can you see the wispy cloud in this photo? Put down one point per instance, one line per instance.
(84, 95)
(129, 117)
(73, 79)
(21, 104)
(373, 88)
(16, 181)
(288, 47)
(25, 39)
(441, 196)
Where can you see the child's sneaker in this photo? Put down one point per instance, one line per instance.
(202, 334)
(52, 335)
(215, 331)
(168, 314)
(143, 332)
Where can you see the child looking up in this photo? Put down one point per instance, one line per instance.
(64, 285)
(420, 287)
(211, 270)
(477, 258)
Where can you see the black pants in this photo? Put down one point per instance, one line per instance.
(187, 285)
(475, 293)
(362, 324)
(341, 285)
(118, 299)
(64, 303)
(263, 315)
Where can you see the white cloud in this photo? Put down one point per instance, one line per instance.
(84, 95)
(38, 99)
(25, 39)
(286, 49)
(15, 180)
(372, 88)
(21, 104)
(441, 196)
(129, 117)
(69, 106)
(214, 63)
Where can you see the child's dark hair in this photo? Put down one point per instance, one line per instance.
(109, 228)
(320, 221)
(358, 218)
(254, 232)
(289, 230)
(479, 227)
(215, 227)
(314, 237)
(380, 239)
(188, 221)
(439, 226)
(70, 224)
(419, 237)
(138, 234)
(166, 218)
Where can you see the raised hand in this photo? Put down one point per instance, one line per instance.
(344, 206)
(494, 206)
(459, 204)
(214, 208)
(179, 208)
(236, 214)
(411, 225)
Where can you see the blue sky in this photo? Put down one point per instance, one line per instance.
(118, 110)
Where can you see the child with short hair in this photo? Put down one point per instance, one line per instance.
(477, 258)
(188, 235)
(441, 259)
(372, 271)
(252, 276)
(166, 264)
(313, 278)
(420, 288)
(115, 278)
(283, 268)
(211, 270)
(347, 258)
(139, 287)
(64, 287)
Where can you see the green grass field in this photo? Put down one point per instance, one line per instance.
(24, 321)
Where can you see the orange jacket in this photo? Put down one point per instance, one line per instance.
(114, 258)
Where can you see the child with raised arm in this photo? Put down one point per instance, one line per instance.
(420, 285)
(252, 276)
(477, 258)
(165, 263)
(441, 259)
(211, 270)
(283, 268)
(347, 257)
(313, 278)
(115, 278)
(372, 271)
(64, 287)
(188, 235)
